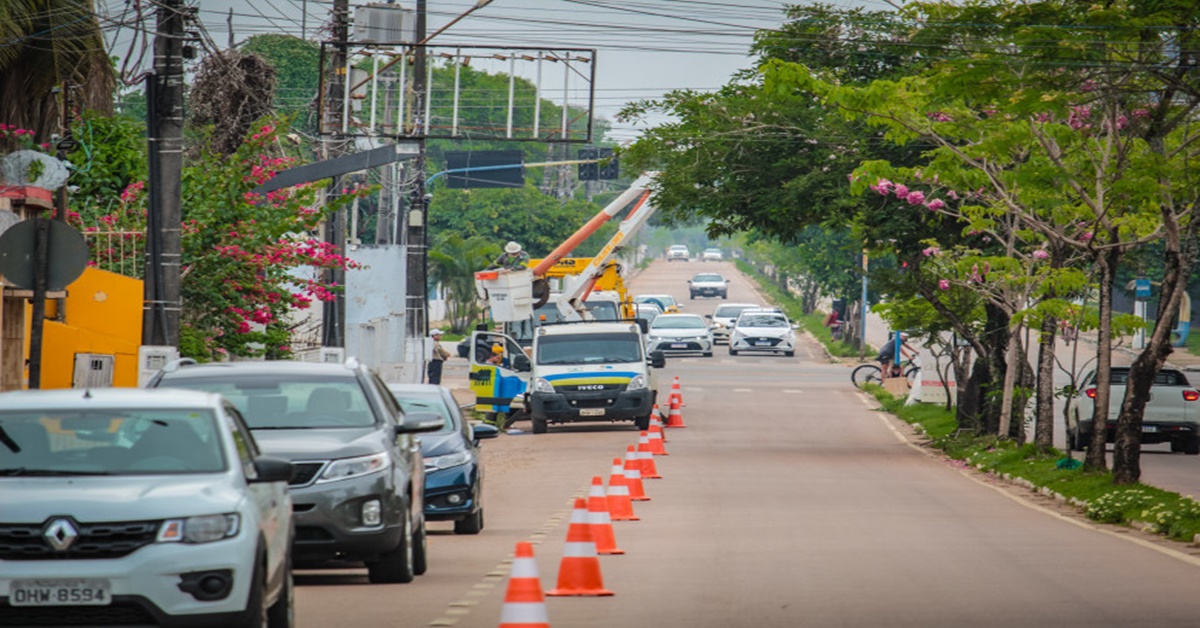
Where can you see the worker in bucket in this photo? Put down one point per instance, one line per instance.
(513, 257)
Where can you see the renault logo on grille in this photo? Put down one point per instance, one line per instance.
(61, 533)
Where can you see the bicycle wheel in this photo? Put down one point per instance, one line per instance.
(867, 374)
(911, 375)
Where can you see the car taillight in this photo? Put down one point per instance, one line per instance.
(1191, 395)
(1091, 393)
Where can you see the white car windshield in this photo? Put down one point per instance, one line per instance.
(761, 320)
(678, 322)
(110, 442)
(708, 278)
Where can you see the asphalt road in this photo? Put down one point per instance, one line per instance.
(788, 500)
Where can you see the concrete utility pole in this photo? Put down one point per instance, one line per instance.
(414, 222)
(164, 100)
(333, 320)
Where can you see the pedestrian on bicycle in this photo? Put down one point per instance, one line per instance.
(888, 352)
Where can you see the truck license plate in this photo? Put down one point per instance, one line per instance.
(87, 592)
(1149, 428)
(591, 412)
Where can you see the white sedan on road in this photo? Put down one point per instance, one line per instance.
(763, 330)
(680, 333)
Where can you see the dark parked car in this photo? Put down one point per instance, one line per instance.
(453, 468)
(358, 475)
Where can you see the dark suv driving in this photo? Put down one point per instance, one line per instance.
(358, 476)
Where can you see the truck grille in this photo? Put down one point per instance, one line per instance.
(95, 540)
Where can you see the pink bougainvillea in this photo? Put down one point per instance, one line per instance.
(943, 284)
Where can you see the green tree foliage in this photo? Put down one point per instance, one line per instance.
(297, 66)
(453, 261)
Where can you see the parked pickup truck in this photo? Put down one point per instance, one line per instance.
(1171, 416)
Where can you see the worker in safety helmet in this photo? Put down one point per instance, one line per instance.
(513, 257)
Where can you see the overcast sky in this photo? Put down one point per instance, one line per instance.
(645, 47)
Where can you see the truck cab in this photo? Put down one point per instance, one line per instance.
(591, 371)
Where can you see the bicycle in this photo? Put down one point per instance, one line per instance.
(872, 373)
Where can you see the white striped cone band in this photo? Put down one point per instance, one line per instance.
(598, 517)
(524, 568)
(633, 474)
(619, 489)
(580, 550)
(524, 613)
(597, 490)
(578, 516)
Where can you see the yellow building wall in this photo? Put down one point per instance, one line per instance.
(103, 315)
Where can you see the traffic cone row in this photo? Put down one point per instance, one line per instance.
(590, 531)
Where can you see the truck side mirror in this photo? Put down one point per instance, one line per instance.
(658, 359)
(521, 363)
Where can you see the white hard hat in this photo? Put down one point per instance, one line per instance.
(512, 247)
(435, 332)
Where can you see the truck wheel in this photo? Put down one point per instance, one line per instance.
(642, 423)
(1080, 440)
(1191, 445)
(732, 351)
(539, 425)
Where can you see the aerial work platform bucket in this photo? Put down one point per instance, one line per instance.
(509, 293)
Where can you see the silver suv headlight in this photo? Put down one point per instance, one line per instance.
(540, 384)
(447, 461)
(355, 467)
(638, 382)
(202, 529)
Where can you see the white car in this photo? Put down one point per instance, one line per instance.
(708, 285)
(763, 330)
(725, 316)
(680, 333)
(678, 252)
(141, 507)
(711, 255)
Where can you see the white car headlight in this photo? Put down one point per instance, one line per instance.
(638, 382)
(355, 467)
(202, 529)
(541, 385)
(447, 461)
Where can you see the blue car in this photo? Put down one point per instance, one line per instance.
(453, 467)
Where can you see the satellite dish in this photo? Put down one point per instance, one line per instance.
(19, 169)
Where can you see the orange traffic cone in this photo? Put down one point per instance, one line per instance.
(677, 391)
(646, 458)
(633, 476)
(524, 605)
(675, 417)
(656, 419)
(599, 519)
(579, 571)
(620, 506)
(656, 440)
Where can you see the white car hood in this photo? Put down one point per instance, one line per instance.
(117, 498)
(678, 333)
(765, 332)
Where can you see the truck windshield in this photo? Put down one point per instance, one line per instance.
(589, 349)
(603, 310)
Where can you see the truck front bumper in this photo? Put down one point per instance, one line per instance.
(592, 406)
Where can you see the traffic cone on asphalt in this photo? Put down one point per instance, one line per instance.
(633, 476)
(677, 391)
(579, 571)
(646, 457)
(599, 518)
(656, 418)
(620, 506)
(675, 416)
(524, 605)
(656, 440)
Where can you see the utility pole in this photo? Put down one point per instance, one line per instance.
(415, 221)
(333, 320)
(164, 99)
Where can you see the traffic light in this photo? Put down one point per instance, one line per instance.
(607, 168)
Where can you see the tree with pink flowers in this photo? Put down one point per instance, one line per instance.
(1064, 126)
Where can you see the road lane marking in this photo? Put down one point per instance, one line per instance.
(791, 392)
(743, 390)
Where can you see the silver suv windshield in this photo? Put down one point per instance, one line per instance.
(110, 442)
(300, 402)
(589, 349)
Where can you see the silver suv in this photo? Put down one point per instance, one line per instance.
(358, 489)
(139, 507)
